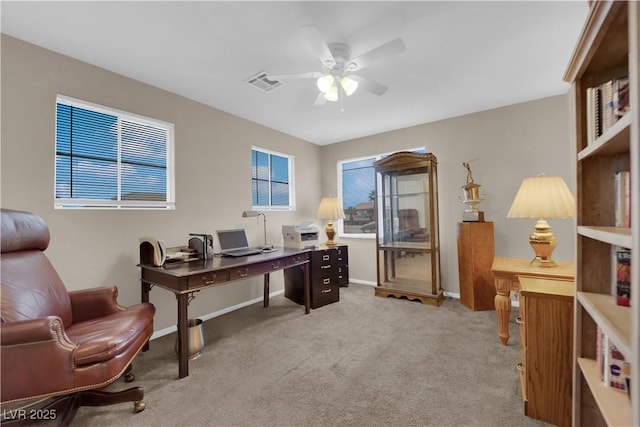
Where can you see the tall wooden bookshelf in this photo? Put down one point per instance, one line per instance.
(607, 49)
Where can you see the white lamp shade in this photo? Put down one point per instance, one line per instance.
(349, 85)
(330, 208)
(325, 83)
(543, 197)
(332, 94)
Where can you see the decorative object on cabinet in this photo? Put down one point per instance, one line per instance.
(543, 197)
(471, 197)
(407, 237)
(608, 48)
(328, 272)
(251, 214)
(330, 209)
(546, 348)
(475, 254)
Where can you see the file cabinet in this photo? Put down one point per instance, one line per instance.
(329, 270)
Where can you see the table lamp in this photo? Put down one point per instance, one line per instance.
(250, 214)
(330, 209)
(543, 197)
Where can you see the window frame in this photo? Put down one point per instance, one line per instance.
(103, 204)
(291, 181)
(339, 165)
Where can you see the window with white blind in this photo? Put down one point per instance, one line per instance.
(271, 180)
(110, 159)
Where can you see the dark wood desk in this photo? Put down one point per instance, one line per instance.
(184, 279)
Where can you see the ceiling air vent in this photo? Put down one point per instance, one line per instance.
(262, 82)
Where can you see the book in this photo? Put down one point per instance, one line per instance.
(623, 277)
(622, 199)
(618, 370)
(605, 105)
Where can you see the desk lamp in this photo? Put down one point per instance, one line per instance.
(330, 209)
(251, 214)
(543, 197)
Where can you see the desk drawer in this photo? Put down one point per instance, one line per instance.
(258, 268)
(207, 279)
(325, 260)
(297, 259)
(324, 291)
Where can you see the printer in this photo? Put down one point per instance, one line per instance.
(301, 236)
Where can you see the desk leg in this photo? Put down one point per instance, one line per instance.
(503, 307)
(306, 288)
(266, 290)
(183, 335)
(146, 288)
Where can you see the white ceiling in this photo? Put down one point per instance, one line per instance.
(461, 57)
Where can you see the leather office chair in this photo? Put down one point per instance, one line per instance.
(409, 226)
(58, 344)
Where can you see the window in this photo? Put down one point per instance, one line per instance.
(271, 180)
(357, 186)
(110, 159)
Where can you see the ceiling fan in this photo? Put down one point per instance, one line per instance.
(338, 78)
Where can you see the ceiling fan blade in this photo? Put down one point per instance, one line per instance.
(370, 85)
(391, 48)
(319, 46)
(320, 100)
(309, 75)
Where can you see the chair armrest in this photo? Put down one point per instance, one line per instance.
(33, 331)
(87, 304)
(37, 358)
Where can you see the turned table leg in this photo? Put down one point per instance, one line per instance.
(503, 307)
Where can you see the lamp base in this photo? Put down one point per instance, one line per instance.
(543, 242)
(331, 233)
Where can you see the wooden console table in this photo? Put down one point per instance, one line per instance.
(506, 272)
(185, 279)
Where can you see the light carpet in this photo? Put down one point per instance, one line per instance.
(364, 361)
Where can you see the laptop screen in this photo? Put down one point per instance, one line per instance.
(232, 239)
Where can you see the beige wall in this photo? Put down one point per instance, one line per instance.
(212, 152)
(510, 143)
(98, 247)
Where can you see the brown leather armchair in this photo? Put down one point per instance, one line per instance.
(58, 344)
(409, 226)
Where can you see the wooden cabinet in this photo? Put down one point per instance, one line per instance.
(407, 235)
(546, 348)
(329, 270)
(608, 49)
(475, 256)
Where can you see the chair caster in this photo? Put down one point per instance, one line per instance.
(138, 406)
(129, 377)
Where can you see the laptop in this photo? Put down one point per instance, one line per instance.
(234, 243)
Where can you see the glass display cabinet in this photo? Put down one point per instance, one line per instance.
(408, 249)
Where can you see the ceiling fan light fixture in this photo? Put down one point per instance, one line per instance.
(349, 85)
(332, 94)
(325, 83)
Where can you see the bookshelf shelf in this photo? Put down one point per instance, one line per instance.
(614, 320)
(613, 235)
(616, 407)
(614, 141)
(607, 51)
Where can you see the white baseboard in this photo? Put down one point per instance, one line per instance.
(171, 329)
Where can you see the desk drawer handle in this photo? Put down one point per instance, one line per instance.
(325, 266)
(326, 281)
(244, 273)
(207, 281)
(275, 265)
(325, 257)
(326, 291)
(519, 367)
(519, 320)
